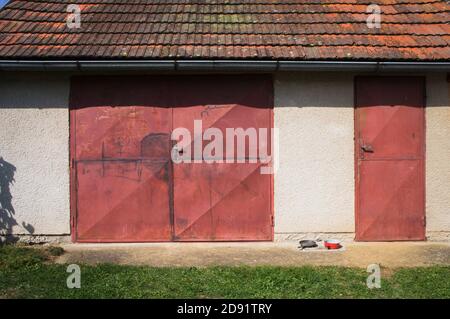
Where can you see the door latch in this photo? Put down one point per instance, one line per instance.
(367, 148)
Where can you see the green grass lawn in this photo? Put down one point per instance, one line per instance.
(30, 273)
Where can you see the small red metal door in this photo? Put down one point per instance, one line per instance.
(223, 201)
(120, 137)
(389, 146)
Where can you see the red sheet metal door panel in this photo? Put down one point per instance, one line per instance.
(121, 132)
(390, 181)
(121, 173)
(224, 201)
(123, 201)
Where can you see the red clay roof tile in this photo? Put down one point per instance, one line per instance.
(235, 29)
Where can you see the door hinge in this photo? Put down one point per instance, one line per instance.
(424, 219)
(273, 221)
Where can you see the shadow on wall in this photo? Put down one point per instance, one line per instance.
(7, 220)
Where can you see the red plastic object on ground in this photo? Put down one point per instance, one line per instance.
(332, 244)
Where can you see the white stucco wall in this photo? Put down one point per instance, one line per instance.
(34, 137)
(438, 157)
(314, 185)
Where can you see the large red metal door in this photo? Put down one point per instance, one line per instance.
(223, 201)
(120, 137)
(389, 143)
(125, 186)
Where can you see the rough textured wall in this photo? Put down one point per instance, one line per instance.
(314, 186)
(34, 144)
(438, 157)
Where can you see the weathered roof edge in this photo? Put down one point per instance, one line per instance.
(220, 65)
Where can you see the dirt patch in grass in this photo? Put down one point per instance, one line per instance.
(20, 256)
(55, 251)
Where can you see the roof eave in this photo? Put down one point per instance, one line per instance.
(220, 65)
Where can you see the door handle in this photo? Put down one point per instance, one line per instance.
(367, 148)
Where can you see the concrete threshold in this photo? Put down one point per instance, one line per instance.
(286, 254)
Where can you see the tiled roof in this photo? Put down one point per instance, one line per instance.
(226, 29)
